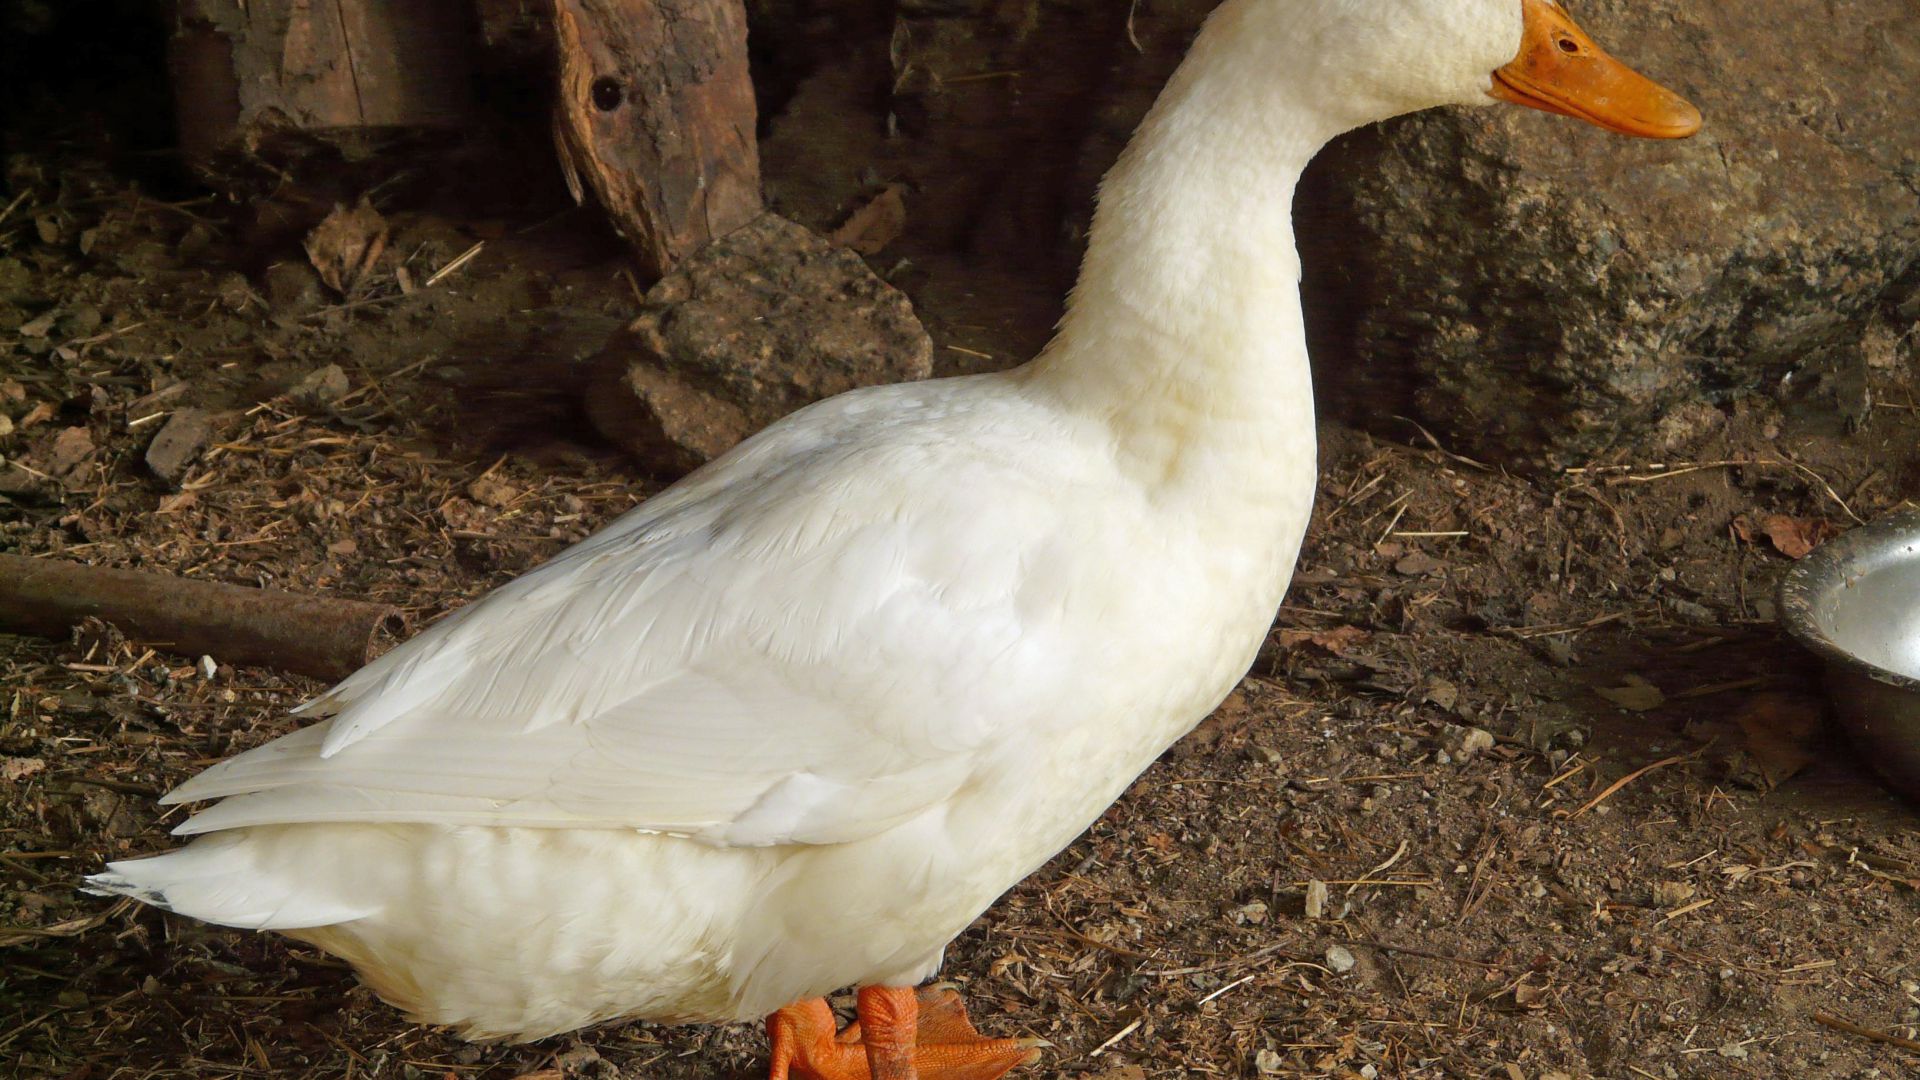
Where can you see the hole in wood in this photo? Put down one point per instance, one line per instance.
(607, 94)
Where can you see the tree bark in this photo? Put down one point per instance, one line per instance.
(656, 114)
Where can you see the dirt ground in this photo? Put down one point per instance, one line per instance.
(1526, 785)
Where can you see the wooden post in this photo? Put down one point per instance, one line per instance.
(245, 71)
(656, 114)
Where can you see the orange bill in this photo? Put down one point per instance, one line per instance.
(1561, 70)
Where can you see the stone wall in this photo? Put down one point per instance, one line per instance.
(1533, 290)
(1547, 293)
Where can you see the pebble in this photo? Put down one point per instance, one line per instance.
(1475, 741)
(293, 288)
(80, 321)
(322, 386)
(71, 448)
(177, 445)
(1339, 960)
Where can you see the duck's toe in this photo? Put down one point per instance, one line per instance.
(944, 1046)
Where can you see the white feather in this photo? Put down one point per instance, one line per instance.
(794, 723)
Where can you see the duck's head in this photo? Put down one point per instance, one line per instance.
(1380, 58)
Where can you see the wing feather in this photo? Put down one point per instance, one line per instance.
(807, 650)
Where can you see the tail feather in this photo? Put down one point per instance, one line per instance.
(225, 879)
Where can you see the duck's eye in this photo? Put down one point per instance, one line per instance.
(1567, 45)
(607, 94)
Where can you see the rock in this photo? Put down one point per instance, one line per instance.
(236, 293)
(179, 442)
(17, 483)
(16, 280)
(663, 420)
(70, 450)
(322, 386)
(293, 288)
(1539, 291)
(1339, 959)
(1466, 743)
(757, 324)
(80, 321)
(40, 326)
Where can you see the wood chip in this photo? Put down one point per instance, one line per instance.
(1316, 899)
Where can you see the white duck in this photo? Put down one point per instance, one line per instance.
(794, 723)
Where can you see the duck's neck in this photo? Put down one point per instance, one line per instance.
(1183, 336)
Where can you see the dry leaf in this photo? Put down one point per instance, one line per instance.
(1791, 536)
(1671, 894)
(1231, 715)
(1780, 728)
(488, 491)
(345, 247)
(1418, 564)
(1634, 694)
(1337, 641)
(19, 768)
(39, 414)
(871, 228)
(1797, 537)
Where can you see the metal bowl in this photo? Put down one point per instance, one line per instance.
(1856, 603)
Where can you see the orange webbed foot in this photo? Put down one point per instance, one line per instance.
(901, 1035)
